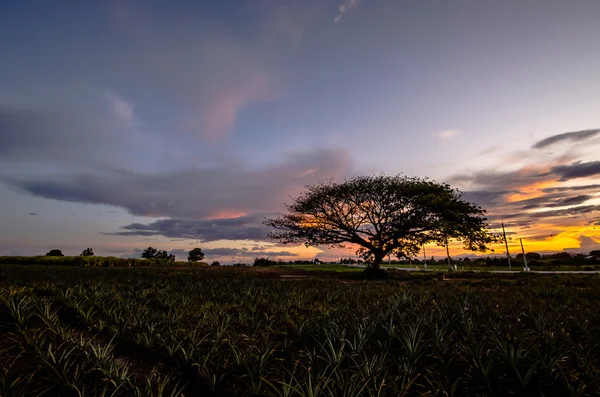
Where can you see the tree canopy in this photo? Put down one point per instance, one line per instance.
(87, 252)
(382, 215)
(195, 255)
(153, 253)
(55, 252)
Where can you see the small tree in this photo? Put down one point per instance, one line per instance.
(158, 256)
(87, 252)
(149, 253)
(195, 255)
(54, 252)
(216, 263)
(382, 215)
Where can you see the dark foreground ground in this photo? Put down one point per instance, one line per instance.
(291, 332)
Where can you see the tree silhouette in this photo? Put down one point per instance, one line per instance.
(195, 255)
(149, 253)
(55, 252)
(382, 215)
(87, 252)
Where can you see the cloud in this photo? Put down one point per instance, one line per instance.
(556, 200)
(447, 134)
(121, 108)
(32, 213)
(588, 188)
(207, 70)
(193, 193)
(242, 228)
(586, 244)
(574, 136)
(79, 131)
(241, 253)
(220, 111)
(576, 170)
(343, 8)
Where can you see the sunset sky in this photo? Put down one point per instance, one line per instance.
(128, 124)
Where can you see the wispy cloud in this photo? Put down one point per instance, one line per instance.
(574, 136)
(221, 109)
(121, 108)
(343, 8)
(447, 134)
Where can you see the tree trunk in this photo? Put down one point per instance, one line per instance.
(377, 262)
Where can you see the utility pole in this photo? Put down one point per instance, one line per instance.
(506, 244)
(524, 257)
(424, 258)
(448, 255)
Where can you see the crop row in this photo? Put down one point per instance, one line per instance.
(135, 333)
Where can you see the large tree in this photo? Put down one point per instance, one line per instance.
(382, 215)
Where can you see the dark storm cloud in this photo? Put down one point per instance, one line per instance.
(241, 228)
(224, 191)
(574, 136)
(576, 170)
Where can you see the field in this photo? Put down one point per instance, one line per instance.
(257, 332)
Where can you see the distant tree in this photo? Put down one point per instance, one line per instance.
(316, 261)
(160, 256)
(216, 263)
(55, 252)
(87, 252)
(595, 253)
(165, 256)
(149, 253)
(264, 262)
(533, 256)
(559, 256)
(195, 255)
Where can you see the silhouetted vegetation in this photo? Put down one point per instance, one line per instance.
(265, 262)
(195, 255)
(55, 252)
(88, 261)
(87, 252)
(382, 215)
(161, 257)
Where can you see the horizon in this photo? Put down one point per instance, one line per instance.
(133, 124)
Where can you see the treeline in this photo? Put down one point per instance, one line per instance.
(91, 261)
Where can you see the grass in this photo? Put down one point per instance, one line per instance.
(240, 332)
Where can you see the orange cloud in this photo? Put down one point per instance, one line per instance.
(221, 110)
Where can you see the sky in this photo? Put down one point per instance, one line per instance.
(128, 124)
